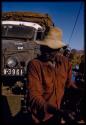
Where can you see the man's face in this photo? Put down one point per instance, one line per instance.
(49, 54)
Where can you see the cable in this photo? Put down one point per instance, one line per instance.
(75, 22)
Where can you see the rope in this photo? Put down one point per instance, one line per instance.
(75, 22)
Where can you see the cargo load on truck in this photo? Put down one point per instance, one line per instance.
(42, 19)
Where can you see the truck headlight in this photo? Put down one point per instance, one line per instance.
(11, 62)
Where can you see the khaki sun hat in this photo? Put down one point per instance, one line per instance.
(53, 39)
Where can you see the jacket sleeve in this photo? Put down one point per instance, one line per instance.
(36, 101)
(69, 75)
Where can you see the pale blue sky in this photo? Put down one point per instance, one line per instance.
(63, 15)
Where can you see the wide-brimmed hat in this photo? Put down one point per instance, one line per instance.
(53, 39)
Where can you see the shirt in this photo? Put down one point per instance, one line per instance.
(46, 84)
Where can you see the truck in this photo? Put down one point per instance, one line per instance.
(19, 31)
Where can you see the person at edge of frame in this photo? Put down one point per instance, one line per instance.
(48, 75)
(67, 52)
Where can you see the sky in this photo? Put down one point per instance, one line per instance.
(63, 14)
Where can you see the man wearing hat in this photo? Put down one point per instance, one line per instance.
(48, 75)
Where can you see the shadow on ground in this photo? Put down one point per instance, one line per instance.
(8, 119)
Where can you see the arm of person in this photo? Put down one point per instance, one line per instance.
(36, 101)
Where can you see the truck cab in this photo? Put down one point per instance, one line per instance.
(18, 46)
(19, 32)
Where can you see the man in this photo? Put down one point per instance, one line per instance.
(48, 75)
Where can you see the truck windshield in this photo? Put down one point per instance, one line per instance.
(18, 31)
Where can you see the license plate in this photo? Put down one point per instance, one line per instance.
(13, 72)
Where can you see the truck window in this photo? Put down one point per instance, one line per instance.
(18, 31)
(40, 35)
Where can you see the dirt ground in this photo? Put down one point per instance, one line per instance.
(11, 109)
